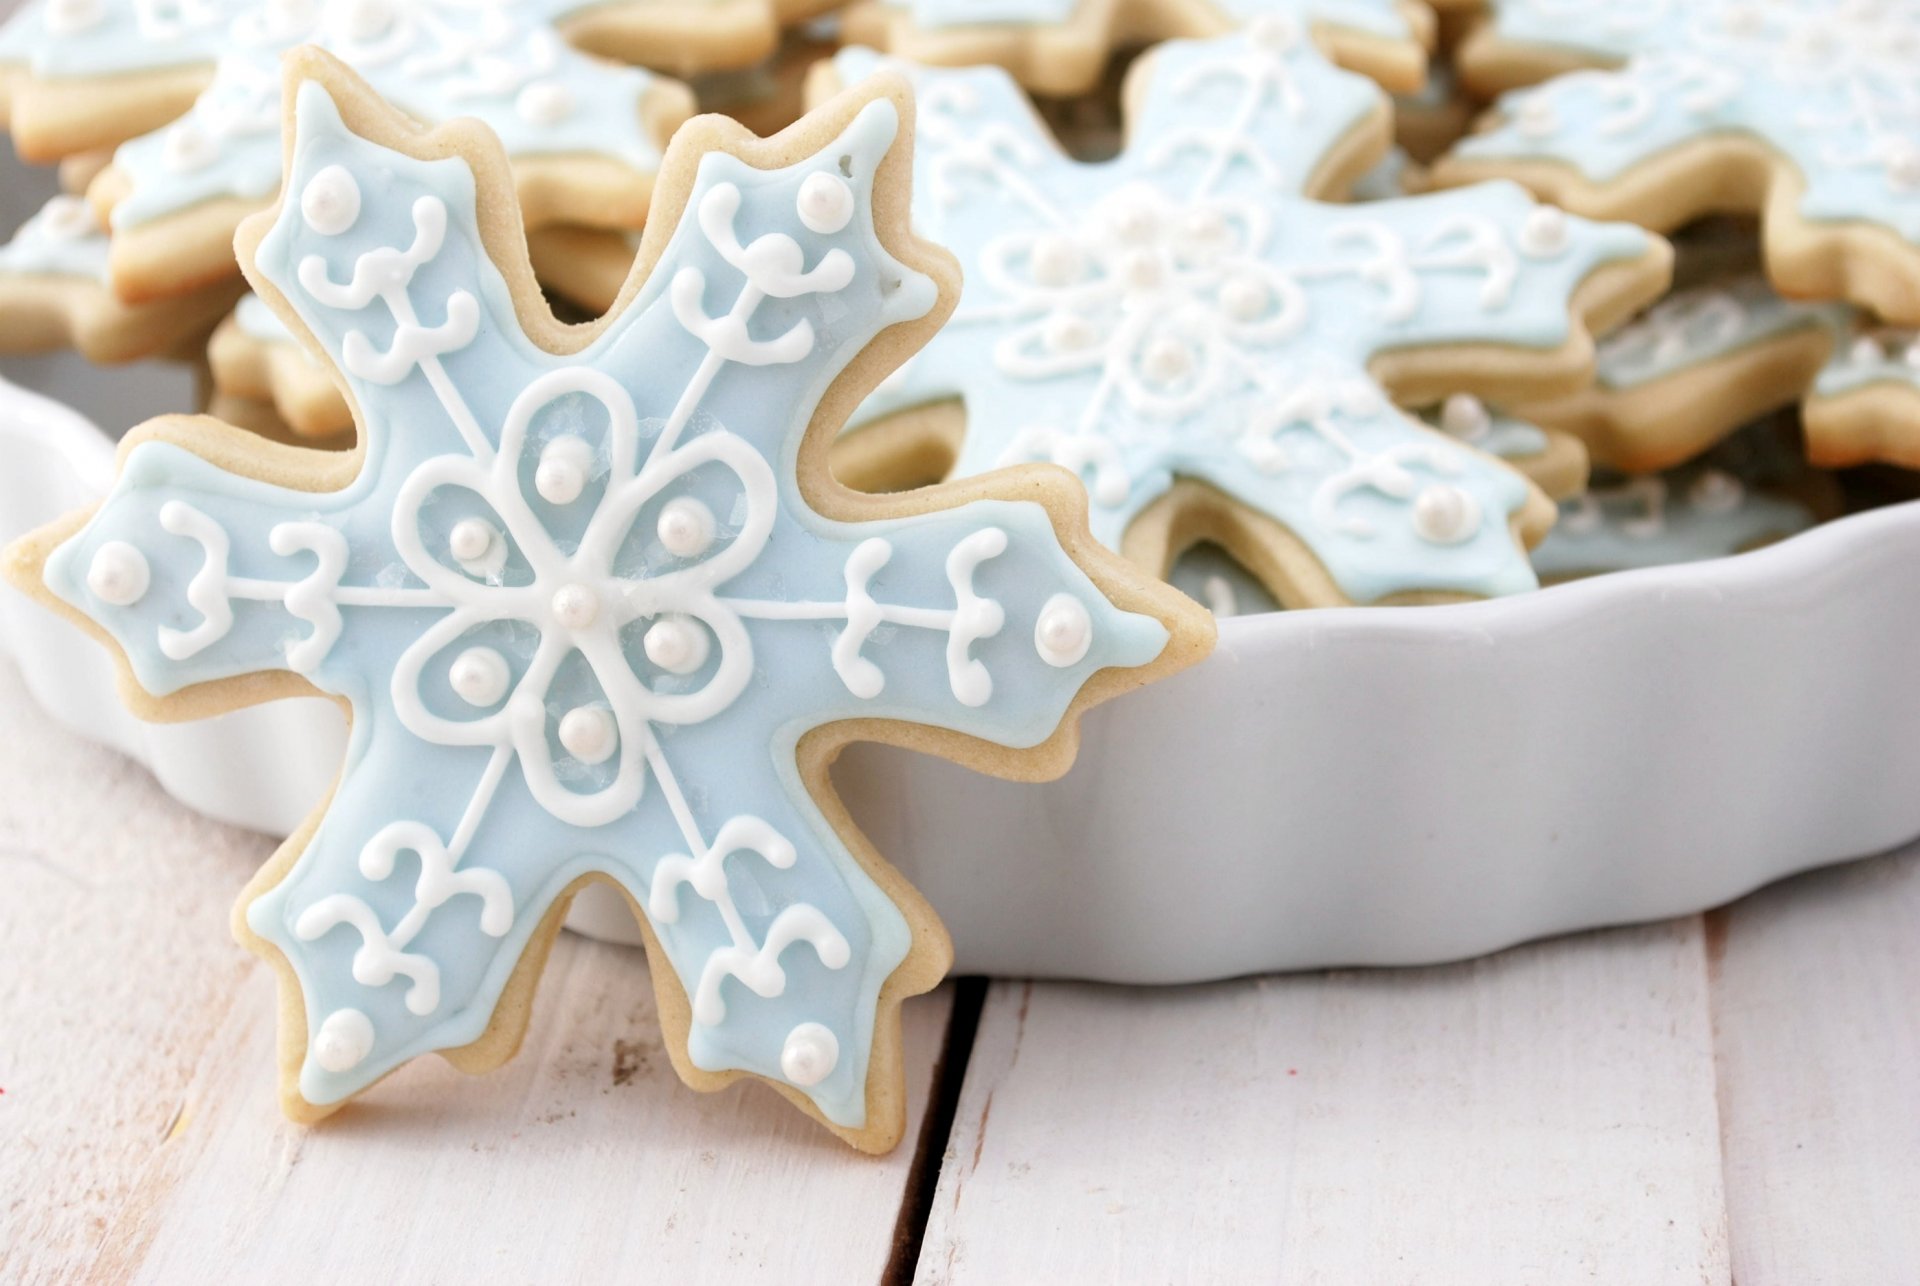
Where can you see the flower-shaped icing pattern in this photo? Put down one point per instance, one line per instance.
(1061, 47)
(1706, 360)
(1805, 111)
(585, 135)
(585, 615)
(1182, 313)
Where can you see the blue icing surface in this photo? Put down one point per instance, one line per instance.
(433, 61)
(1869, 357)
(1829, 86)
(1182, 311)
(1659, 519)
(583, 614)
(1692, 327)
(261, 322)
(1379, 17)
(62, 239)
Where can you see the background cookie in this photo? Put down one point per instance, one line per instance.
(636, 619)
(255, 359)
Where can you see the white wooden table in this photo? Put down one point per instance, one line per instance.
(1735, 1096)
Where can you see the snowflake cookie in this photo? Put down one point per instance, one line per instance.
(1706, 360)
(585, 136)
(595, 607)
(1212, 351)
(1805, 112)
(80, 75)
(54, 293)
(1061, 47)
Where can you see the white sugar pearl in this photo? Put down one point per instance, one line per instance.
(1537, 118)
(589, 734)
(471, 539)
(575, 606)
(1444, 515)
(362, 20)
(686, 527)
(1167, 360)
(1067, 333)
(1903, 165)
(544, 103)
(1057, 261)
(343, 1041)
(1133, 222)
(1543, 234)
(1866, 351)
(1465, 416)
(71, 17)
(1205, 225)
(825, 203)
(69, 218)
(118, 574)
(479, 676)
(1274, 34)
(1910, 356)
(1716, 491)
(186, 148)
(562, 473)
(330, 203)
(676, 645)
(1245, 300)
(1063, 632)
(1143, 270)
(810, 1054)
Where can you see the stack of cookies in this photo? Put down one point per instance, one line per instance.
(614, 467)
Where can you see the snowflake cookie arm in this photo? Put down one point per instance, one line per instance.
(1061, 47)
(1692, 369)
(1865, 403)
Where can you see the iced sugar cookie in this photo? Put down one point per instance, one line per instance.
(1806, 112)
(255, 358)
(1213, 353)
(1706, 360)
(1209, 576)
(1061, 47)
(54, 294)
(1552, 459)
(593, 604)
(584, 135)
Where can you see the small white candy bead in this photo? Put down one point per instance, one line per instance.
(589, 734)
(330, 203)
(1716, 491)
(343, 1041)
(118, 574)
(479, 676)
(676, 645)
(1057, 261)
(186, 148)
(1274, 34)
(1910, 356)
(544, 103)
(575, 606)
(562, 473)
(686, 527)
(1133, 222)
(1445, 515)
(1245, 300)
(1067, 333)
(68, 218)
(1537, 118)
(71, 17)
(362, 20)
(1063, 632)
(810, 1054)
(1143, 270)
(1903, 165)
(1866, 351)
(471, 539)
(1167, 360)
(1544, 232)
(825, 203)
(1465, 416)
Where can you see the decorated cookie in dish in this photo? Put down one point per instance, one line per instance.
(1216, 354)
(594, 605)
(54, 294)
(1805, 112)
(1061, 47)
(254, 357)
(1209, 575)
(1554, 460)
(584, 135)
(1706, 360)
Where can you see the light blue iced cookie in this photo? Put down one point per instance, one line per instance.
(54, 293)
(593, 612)
(1209, 575)
(1653, 520)
(1186, 332)
(584, 135)
(1814, 104)
(1062, 47)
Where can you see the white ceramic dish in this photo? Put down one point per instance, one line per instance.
(1375, 786)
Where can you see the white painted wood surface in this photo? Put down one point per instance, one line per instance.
(1699, 1101)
